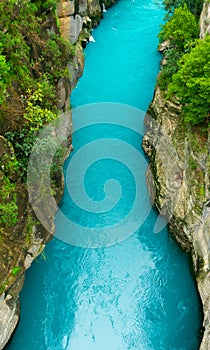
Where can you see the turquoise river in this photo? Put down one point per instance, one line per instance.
(137, 294)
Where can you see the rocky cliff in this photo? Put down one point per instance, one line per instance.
(179, 182)
(23, 242)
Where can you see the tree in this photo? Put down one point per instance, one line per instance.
(181, 28)
(191, 83)
(195, 6)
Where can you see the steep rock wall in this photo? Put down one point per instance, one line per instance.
(178, 182)
(178, 179)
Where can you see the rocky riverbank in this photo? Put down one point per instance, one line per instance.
(179, 182)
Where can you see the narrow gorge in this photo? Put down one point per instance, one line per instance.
(183, 197)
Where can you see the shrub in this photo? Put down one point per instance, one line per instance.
(8, 203)
(16, 270)
(35, 112)
(172, 56)
(191, 83)
(181, 28)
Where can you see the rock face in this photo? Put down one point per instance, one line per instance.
(79, 16)
(178, 179)
(21, 244)
(205, 20)
(179, 183)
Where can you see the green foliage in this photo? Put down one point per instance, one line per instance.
(2, 287)
(172, 56)
(23, 141)
(182, 31)
(181, 28)
(4, 77)
(192, 163)
(8, 203)
(33, 57)
(46, 4)
(17, 22)
(195, 6)
(35, 114)
(9, 166)
(56, 53)
(16, 270)
(30, 51)
(191, 83)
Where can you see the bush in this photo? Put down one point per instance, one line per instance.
(191, 83)
(36, 114)
(181, 28)
(23, 141)
(172, 56)
(55, 55)
(8, 203)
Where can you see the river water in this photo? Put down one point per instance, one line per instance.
(138, 294)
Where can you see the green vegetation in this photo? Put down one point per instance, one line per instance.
(181, 28)
(191, 83)
(185, 74)
(33, 57)
(23, 142)
(4, 77)
(36, 114)
(16, 270)
(181, 31)
(8, 203)
(172, 56)
(195, 6)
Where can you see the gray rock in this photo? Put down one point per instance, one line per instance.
(9, 316)
(82, 6)
(75, 28)
(205, 20)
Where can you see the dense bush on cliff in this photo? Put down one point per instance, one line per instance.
(191, 83)
(181, 28)
(33, 57)
(185, 72)
(180, 31)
